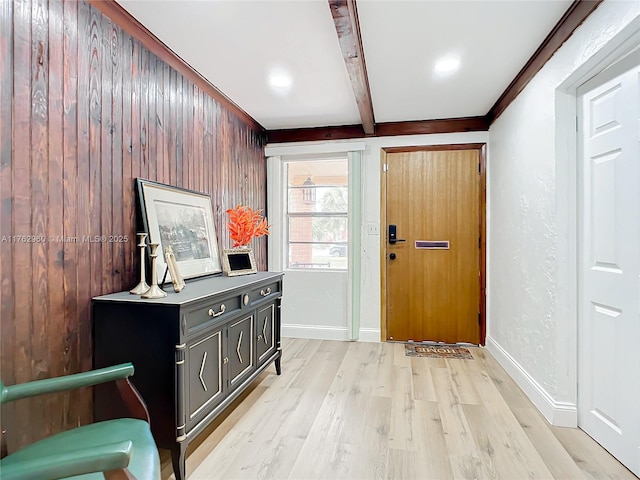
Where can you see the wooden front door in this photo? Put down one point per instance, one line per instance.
(434, 268)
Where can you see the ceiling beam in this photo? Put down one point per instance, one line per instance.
(426, 127)
(389, 129)
(345, 19)
(129, 24)
(572, 19)
(315, 134)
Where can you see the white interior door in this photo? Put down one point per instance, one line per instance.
(609, 277)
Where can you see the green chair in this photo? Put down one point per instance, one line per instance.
(115, 449)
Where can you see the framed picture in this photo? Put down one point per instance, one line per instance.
(238, 262)
(183, 220)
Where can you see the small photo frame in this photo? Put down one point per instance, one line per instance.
(238, 262)
(182, 219)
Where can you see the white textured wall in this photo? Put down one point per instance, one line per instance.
(532, 205)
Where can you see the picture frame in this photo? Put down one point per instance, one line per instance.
(238, 262)
(183, 219)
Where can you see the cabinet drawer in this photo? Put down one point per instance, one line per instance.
(203, 314)
(270, 290)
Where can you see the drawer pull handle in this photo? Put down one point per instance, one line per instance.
(259, 337)
(225, 360)
(214, 314)
(266, 292)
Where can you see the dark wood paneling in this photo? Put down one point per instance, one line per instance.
(345, 19)
(80, 324)
(7, 327)
(40, 320)
(55, 204)
(107, 139)
(69, 250)
(21, 202)
(117, 153)
(128, 203)
(92, 109)
(572, 19)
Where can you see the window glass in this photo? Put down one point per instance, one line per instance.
(317, 214)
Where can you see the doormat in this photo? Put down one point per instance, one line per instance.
(436, 351)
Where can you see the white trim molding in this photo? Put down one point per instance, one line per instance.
(369, 335)
(317, 332)
(312, 148)
(560, 414)
(354, 288)
(275, 207)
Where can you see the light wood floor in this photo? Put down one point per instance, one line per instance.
(343, 410)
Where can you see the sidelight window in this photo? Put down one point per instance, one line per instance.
(317, 214)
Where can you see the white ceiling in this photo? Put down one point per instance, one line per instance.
(237, 45)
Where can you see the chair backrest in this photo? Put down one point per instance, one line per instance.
(65, 382)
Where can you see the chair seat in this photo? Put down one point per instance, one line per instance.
(144, 463)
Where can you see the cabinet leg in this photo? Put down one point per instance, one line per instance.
(178, 457)
(278, 365)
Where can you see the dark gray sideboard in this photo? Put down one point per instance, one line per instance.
(194, 352)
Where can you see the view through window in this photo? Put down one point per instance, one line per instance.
(317, 214)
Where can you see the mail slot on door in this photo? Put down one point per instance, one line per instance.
(432, 244)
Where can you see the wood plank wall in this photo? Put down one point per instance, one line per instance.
(85, 109)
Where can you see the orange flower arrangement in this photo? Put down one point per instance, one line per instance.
(245, 224)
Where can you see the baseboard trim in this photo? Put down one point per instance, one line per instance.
(369, 335)
(560, 414)
(316, 332)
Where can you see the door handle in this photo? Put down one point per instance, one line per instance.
(393, 237)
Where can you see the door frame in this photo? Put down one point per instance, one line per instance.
(482, 222)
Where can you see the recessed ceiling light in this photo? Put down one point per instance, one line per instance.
(280, 80)
(447, 65)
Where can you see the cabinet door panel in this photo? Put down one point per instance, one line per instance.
(266, 342)
(240, 349)
(205, 375)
